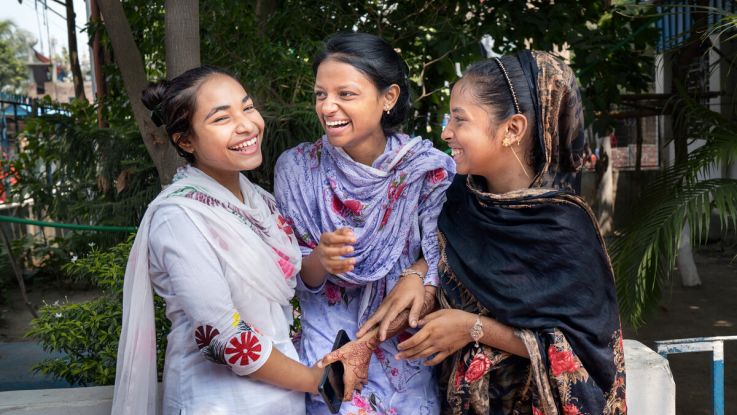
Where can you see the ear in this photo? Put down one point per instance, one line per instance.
(183, 142)
(390, 96)
(517, 126)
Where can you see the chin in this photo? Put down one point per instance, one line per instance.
(253, 163)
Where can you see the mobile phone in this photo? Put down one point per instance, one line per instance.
(331, 385)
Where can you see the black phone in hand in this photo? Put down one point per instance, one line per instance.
(331, 385)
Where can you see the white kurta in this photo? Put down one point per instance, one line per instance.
(187, 273)
(226, 270)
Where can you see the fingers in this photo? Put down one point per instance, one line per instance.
(342, 236)
(414, 312)
(329, 358)
(430, 317)
(338, 265)
(413, 341)
(394, 310)
(351, 383)
(420, 351)
(375, 319)
(437, 359)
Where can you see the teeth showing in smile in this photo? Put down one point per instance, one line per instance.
(336, 123)
(244, 145)
(456, 152)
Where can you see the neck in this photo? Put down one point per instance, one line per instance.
(368, 150)
(228, 179)
(512, 176)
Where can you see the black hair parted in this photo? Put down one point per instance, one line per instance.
(376, 59)
(487, 84)
(173, 102)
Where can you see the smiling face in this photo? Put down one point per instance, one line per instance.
(350, 106)
(227, 130)
(474, 141)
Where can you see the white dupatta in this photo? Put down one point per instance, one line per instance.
(267, 259)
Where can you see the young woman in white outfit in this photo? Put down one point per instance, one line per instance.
(215, 247)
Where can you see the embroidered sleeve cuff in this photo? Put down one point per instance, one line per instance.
(239, 346)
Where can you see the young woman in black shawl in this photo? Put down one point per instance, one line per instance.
(529, 321)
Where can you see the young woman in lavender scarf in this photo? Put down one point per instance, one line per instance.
(363, 201)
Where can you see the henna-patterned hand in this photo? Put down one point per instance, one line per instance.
(355, 356)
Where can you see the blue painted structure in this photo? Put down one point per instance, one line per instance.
(715, 345)
(678, 16)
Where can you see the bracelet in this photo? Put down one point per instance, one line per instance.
(410, 271)
(477, 331)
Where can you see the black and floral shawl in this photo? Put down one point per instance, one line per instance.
(534, 260)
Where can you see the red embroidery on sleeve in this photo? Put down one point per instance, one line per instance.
(243, 349)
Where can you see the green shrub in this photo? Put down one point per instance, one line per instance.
(87, 333)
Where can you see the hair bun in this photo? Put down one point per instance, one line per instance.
(152, 97)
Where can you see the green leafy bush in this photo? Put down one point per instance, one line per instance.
(87, 333)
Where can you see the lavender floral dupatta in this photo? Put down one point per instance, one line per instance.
(381, 203)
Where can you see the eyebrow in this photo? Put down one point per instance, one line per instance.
(224, 107)
(344, 86)
(458, 110)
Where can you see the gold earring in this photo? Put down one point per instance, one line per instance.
(508, 139)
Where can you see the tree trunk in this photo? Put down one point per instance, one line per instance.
(182, 39)
(73, 53)
(686, 264)
(605, 190)
(689, 53)
(157, 143)
(98, 56)
(264, 10)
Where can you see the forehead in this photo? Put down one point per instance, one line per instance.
(221, 89)
(332, 72)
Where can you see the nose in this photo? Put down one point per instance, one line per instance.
(447, 133)
(327, 106)
(245, 124)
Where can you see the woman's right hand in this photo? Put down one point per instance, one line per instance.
(332, 248)
(355, 356)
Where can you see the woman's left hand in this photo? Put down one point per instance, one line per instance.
(443, 333)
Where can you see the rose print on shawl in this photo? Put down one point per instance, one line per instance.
(284, 225)
(348, 209)
(571, 409)
(536, 411)
(562, 361)
(368, 406)
(436, 176)
(286, 267)
(313, 154)
(334, 294)
(243, 349)
(480, 364)
(396, 187)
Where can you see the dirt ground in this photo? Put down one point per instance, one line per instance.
(710, 310)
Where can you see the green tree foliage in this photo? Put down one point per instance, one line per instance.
(15, 44)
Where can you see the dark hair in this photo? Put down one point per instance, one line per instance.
(489, 87)
(172, 103)
(376, 59)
